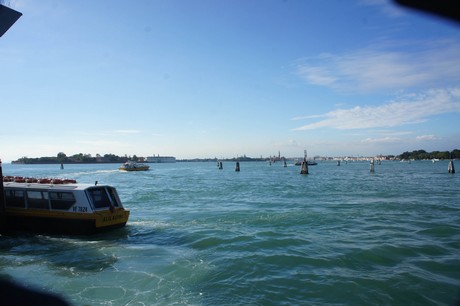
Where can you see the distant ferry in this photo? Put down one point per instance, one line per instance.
(133, 166)
(62, 207)
(161, 159)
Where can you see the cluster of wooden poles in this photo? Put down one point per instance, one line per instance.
(304, 166)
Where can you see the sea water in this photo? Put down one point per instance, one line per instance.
(266, 235)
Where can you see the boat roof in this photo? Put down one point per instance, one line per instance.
(50, 186)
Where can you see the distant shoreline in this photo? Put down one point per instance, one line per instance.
(80, 158)
(145, 162)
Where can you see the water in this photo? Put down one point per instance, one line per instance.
(263, 236)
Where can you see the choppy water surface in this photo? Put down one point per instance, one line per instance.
(266, 235)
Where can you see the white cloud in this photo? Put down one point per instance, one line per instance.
(385, 67)
(394, 133)
(381, 140)
(426, 138)
(408, 109)
(317, 75)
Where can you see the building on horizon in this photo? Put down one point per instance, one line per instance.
(160, 159)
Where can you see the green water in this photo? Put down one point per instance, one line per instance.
(263, 236)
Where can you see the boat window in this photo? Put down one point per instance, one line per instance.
(15, 198)
(114, 196)
(61, 200)
(99, 197)
(37, 199)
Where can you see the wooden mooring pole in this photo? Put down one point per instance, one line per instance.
(304, 169)
(451, 167)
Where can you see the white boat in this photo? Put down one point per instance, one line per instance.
(57, 206)
(133, 166)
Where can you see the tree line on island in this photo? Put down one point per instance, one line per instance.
(81, 158)
(422, 155)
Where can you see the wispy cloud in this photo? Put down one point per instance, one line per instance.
(382, 140)
(385, 67)
(390, 133)
(388, 8)
(392, 139)
(407, 109)
(127, 131)
(307, 117)
(426, 137)
(99, 143)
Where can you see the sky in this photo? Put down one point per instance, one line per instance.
(227, 78)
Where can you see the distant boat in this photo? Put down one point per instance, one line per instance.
(309, 163)
(133, 166)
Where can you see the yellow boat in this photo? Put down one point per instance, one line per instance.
(53, 206)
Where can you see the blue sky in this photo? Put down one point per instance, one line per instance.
(206, 78)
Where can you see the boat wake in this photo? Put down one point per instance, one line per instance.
(92, 172)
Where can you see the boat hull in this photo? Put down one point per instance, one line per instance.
(64, 222)
(309, 163)
(134, 169)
